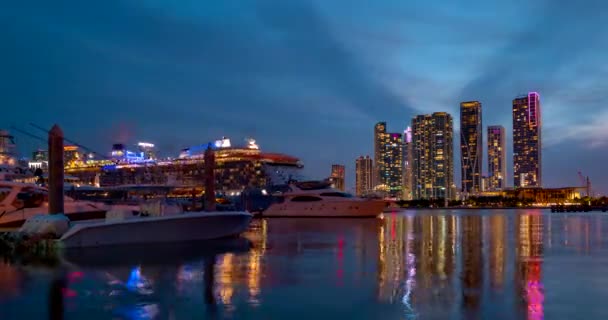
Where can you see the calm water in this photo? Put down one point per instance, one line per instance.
(411, 265)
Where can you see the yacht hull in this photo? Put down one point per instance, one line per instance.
(17, 219)
(163, 229)
(337, 209)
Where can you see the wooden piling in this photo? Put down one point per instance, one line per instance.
(209, 179)
(55, 183)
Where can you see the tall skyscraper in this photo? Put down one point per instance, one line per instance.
(471, 146)
(527, 141)
(338, 176)
(433, 156)
(497, 158)
(380, 140)
(388, 164)
(363, 176)
(407, 164)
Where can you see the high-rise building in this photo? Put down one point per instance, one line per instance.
(337, 176)
(380, 140)
(433, 156)
(471, 146)
(363, 176)
(407, 164)
(388, 165)
(497, 158)
(527, 142)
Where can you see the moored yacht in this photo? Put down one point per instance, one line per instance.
(20, 201)
(319, 199)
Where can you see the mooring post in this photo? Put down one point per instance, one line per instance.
(55, 183)
(209, 179)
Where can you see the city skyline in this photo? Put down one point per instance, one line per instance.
(148, 74)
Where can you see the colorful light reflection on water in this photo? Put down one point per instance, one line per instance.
(412, 265)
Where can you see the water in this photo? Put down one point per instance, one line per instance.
(495, 264)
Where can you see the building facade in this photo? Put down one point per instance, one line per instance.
(407, 164)
(471, 147)
(433, 156)
(8, 149)
(527, 141)
(388, 165)
(363, 176)
(337, 176)
(497, 158)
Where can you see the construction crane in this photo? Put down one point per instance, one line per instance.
(585, 183)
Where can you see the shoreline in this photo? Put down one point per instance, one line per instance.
(475, 208)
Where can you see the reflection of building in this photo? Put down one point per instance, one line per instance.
(7, 148)
(472, 263)
(432, 156)
(388, 165)
(528, 261)
(497, 158)
(407, 164)
(363, 175)
(471, 146)
(527, 141)
(337, 176)
(497, 255)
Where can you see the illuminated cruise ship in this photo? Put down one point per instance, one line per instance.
(237, 167)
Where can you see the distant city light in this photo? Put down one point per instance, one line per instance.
(145, 145)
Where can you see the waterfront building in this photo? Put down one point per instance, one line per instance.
(71, 155)
(388, 165)
(236, 168)
(497, 158)
(338, 176)
(527, 141)
(7, 148)
(363, 176)
(407, 164)
(471, 146)
(433, 156)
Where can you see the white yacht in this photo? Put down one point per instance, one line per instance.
(319, 199)
(20, 201)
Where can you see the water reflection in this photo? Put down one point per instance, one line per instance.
(412, 265)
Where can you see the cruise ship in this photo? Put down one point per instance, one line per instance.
(238, 166)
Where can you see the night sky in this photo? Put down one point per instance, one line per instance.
(306, 78)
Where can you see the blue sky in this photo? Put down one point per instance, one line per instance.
(307, 78)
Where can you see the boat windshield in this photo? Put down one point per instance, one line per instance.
(313, 185)
(336, 194)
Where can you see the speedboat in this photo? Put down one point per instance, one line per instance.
(319, 199)
(20, 201)
(156, 223)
